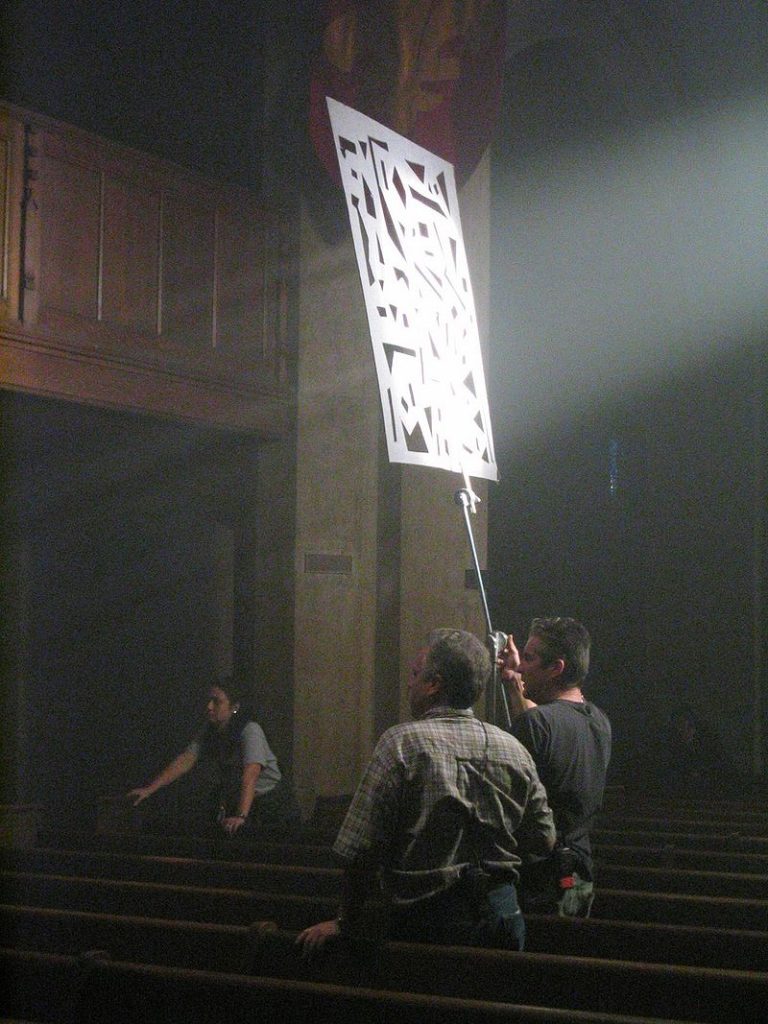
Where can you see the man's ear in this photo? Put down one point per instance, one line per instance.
(556, 667)
(435, 683)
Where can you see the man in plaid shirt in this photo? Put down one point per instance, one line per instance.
(441, 813)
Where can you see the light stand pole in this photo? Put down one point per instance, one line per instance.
(465, 499)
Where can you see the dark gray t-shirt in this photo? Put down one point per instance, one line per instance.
(570, 743)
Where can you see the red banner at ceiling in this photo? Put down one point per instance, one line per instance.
(430, 70)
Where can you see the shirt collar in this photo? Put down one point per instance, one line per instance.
(443, 711)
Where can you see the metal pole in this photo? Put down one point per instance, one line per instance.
(463, 499)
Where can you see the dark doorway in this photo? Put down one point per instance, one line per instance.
(120, 593)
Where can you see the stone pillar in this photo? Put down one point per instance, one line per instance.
(336, 520)
(360, 520)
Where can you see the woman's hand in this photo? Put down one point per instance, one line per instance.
(232, 824)
(137, 795)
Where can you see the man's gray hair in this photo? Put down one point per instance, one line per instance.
(462, 662)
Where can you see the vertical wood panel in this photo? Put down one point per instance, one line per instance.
(70, 239)
(5, 186)
(131, 257)
(240, 284)
(188, 262)
(11, 161)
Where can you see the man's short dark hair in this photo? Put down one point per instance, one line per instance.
(462, 662)
(567, 639)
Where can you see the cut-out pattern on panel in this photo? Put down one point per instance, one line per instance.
(404, 216)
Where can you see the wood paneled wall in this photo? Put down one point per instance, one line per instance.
(130, 282)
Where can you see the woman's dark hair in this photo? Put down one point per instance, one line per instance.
(222, 739)
(232, 687)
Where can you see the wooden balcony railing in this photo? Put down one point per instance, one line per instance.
(127, 281)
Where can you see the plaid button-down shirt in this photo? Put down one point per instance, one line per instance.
(442, 793)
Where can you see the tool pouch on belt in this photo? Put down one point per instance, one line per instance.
(565, 866)
(564, 861)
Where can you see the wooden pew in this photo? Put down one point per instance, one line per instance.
(670, 856)
(611, 986)
(313, 850)
(733, 851)
(234, 907)
(148, 899)
(605, 980)
(40, 987)
(620, 867)
(322, 881)
(678, 880)
(712, 808)
(228, 874)
(102, 991)
(175, 943)
(238, 906)
(690, 839)
(207, 945)
(652, 943)
(660, 823)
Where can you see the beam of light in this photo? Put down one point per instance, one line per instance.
(632, 260)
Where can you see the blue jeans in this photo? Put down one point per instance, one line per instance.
(462, 916)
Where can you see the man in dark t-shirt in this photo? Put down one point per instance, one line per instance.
(570, 742)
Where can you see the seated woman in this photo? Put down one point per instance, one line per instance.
(237, 784)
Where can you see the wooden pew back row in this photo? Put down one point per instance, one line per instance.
(207, 945)
(648, 875)
(670, 938)
(96, 990)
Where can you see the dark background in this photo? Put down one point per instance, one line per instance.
(628, 357)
